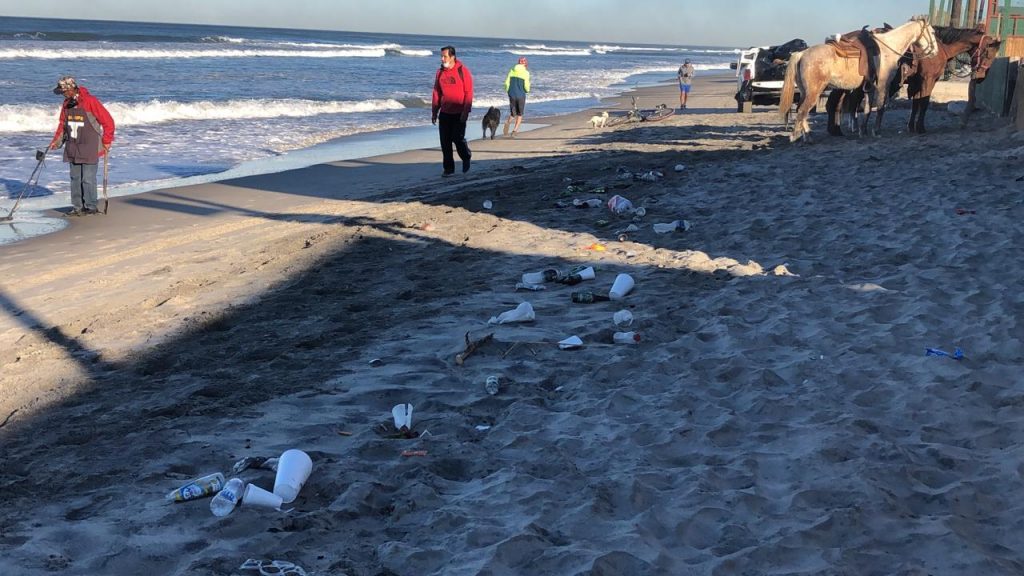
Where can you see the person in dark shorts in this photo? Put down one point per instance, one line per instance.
(517, 84)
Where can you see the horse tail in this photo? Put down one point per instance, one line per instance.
(789, 86)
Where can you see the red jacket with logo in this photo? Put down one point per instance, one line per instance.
(453, 92)
(89, 127)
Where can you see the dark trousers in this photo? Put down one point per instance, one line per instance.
(452, 131)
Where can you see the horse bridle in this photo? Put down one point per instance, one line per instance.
(931, 41)
(978, 62)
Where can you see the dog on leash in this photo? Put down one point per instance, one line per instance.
(599, 120)
(491, 121)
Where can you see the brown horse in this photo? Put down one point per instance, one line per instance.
(819, 66)
(925, 72)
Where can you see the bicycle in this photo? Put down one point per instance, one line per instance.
(635, 114)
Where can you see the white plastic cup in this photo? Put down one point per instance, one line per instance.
(626, 338)
(587, 273)
(292, 472)
(623, 318)
(256, 496)
(622, 286)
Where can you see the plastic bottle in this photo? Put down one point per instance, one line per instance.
(626, 337)
(226, 500)
(200, 487)
(588, 297)
(532, 287)
(492, 385)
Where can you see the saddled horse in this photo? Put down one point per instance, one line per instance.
(820, 66)
(921, 74)
(926, 71)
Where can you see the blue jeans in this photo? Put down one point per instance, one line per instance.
(83, 186)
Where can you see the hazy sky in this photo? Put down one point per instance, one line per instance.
(734, 23)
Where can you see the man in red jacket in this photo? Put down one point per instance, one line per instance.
(451, 103)
(86, 131)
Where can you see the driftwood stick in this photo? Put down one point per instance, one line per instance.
(471, 347)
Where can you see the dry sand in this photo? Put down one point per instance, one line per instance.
(779, 416)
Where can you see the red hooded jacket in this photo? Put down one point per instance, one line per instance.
(84, 121)
(453, 92)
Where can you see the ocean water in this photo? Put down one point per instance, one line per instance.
(199, 103)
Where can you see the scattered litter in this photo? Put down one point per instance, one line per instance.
(402, 414)
(639, 213)
(666, 228)
(492, 385)
(200, 487)
(601, 223)
(622, 318)
(596, 247)
(963, 211)
(255, 462)
(571, 343)
(376, 362)
(680, 167)
(293, 470)
(409, 453)
(488, 205)
(549, 275)
(629, 229)
(256, 496)
(471, 346)
(651, 176)
(522, 313)
(482, 428)
(343, 433)
(626, 338)
(587, 297)
(623, 173)
(957, 354)
(781, 270)
(228, 498)
(623, 285)
(532, 287)
(590, 203)
(273, 567)
(619, 205)
(577, 275)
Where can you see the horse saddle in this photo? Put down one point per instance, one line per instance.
(853, 45)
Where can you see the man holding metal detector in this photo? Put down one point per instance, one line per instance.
(86, 131)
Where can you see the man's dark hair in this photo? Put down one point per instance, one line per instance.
(449, 50)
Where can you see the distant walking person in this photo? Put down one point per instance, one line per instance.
(451, 102)
(517, 84)
(86, 131)
(685, 78)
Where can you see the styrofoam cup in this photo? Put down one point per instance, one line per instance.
(292, 472)
(622, 285)
(622, 318)
(256, 496)
(587, 273)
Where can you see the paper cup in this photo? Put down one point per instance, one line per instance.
(533, 278)
(292, 471)
(587, 273)
(256, 496)
(623, 318)
(622, 285)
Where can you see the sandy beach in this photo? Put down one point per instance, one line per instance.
(779, 414)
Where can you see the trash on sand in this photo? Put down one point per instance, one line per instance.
(963, 211)
(482, 428)
(587, 297)
(256, 496)
(596, 247)
(227, 499)
(532, 287)
(623, 285)
(548, 275)
(622, 318)
(672, 226)
(522, 313)
(571, 343)
(651, 176)
(261, 462)
(293, 470)
(471, 346)
(680, 167)
(619, 205)
(590, 203)
(402, 413)
(376, 362)
(626, 338)
(957, 354)
(577, 275)
(273, 567)
(408, 453)
(492, 385)
(488, 205)
(200, 487)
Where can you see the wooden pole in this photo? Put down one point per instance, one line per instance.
(972, 13)
(955, 9)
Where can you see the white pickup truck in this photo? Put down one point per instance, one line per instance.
(760, 73)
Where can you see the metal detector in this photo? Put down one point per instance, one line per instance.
(40, 156)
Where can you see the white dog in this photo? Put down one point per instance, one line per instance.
(599, 120)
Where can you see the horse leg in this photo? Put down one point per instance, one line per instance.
(914, 106)
(920, 117)
(835, 111)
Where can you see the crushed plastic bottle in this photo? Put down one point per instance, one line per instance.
(227, 499)
(626, 338)
(199, 488)
(492, 385)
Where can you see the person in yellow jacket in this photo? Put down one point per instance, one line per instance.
(517, 84)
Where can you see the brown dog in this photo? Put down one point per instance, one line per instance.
(491, 120)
